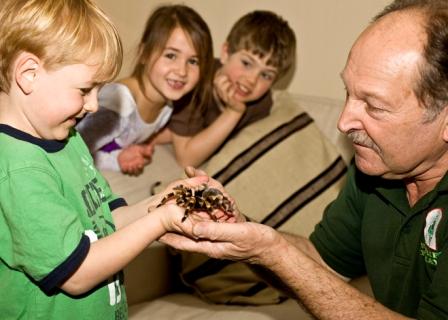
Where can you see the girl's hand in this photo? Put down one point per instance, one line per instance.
(132, 159)
(148, 151)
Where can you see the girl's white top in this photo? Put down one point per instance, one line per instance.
(116, 125)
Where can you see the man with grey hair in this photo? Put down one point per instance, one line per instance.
(389, 221)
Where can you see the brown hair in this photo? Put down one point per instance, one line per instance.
(432, 86)
(158, 29)
(59, 32)
(264, 33)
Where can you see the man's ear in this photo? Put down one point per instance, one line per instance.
(224, 52)
(445, 128)
(26, 71)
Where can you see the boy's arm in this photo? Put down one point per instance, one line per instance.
(126, 215)
(136, 229)
(193, 150)
(110, 254)
(161, 137)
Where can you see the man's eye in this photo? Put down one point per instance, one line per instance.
(373, 109)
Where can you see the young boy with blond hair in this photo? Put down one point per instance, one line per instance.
(258, 51)
(65, 237)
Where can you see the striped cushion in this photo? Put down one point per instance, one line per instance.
(282, 172)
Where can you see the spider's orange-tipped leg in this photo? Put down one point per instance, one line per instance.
(187, 212)
(166, 198)
(213, 216)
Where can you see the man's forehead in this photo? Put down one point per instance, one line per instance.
(395, 31)
(390, 46)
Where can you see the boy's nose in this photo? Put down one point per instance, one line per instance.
(91, 101)
(252, 77)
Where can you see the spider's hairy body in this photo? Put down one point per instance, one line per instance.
(201, 198)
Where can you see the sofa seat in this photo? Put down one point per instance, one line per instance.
(183, 306)
(153, 293)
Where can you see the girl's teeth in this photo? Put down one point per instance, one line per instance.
(175, 84)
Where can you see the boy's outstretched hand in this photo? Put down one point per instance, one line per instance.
(172, 205)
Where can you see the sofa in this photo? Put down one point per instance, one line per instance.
(155, 286)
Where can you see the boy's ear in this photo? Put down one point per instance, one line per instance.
(224, 53)
(26, 70)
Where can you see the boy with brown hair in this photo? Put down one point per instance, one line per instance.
(258, 51)
(64, 235)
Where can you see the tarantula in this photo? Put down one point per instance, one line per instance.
(201, 198)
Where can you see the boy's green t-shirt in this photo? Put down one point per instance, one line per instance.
(54, 204)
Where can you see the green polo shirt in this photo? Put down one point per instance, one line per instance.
(54, 203)
(371, 229)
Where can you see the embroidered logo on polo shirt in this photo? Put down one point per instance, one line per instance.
(429, 249)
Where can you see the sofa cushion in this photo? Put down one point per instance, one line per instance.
(282, 171)
(186, 307)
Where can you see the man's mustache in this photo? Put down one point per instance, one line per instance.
(362, 139)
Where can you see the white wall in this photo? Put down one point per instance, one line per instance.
(325, 30)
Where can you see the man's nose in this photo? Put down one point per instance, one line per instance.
(350, 116)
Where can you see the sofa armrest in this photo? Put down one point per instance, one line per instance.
(326, 112)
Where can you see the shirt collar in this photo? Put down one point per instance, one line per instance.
(49, 146)
(395, 192)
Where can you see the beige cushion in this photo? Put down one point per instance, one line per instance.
(187, 307)
(282, 171)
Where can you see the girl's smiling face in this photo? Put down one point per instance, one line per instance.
(175, 72)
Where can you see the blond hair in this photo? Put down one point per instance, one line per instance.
(59, 32)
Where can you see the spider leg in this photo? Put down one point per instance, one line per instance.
(187, 212)
(165, 199)
(210, 213)
(209, 207)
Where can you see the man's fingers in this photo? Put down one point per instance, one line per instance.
(189, 171)
(193, 172)
(179, 242)
(222, 232)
